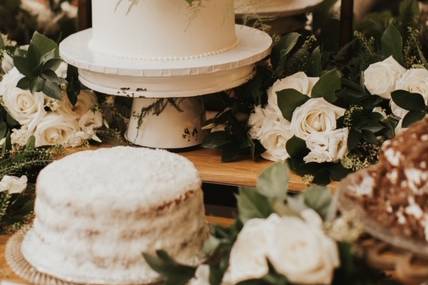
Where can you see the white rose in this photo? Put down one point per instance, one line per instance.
(274, 140)
(298, 81)
(262, 119)
(6, 62)
(202, 276)
(56, 129)
(10, 80)
(20, 136)
(315, 116)
(415, 80)
(297, 248)
(301, 250)
(327, 147)
(380, 78)
(13, 185)
(248, 257)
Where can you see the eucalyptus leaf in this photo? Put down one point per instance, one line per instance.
(327, 85)
(392, 43)
(41, 49)
(216, 140)
(52, 89)
(296, 147)
(252, 204)
(173, 272)
(319, 199)
(281, 51)
(23, 65)
(273, 182)
(289, 100)
(412, 117)
(408, 101)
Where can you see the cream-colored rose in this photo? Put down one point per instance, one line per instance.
(274, 140)
(13, 185)
(415, 80)
(380, 78)
(298, 248)
(6, 62)
(56, 129)
(327, 147)
(298, 81)
(248, 258)
(262, 119)
(315, 116)
(301, 250)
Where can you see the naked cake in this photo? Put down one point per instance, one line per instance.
(97, 211)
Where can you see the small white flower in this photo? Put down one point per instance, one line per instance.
(6, 62)
(327, 147)
(13, 185)
(298, 81)
(20, 136)
(57, 129)
(297, 248)
(380, 78)
(315, 116)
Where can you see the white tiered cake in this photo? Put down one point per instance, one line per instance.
(98, 211)
(157, 29)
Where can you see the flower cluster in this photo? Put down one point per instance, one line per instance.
(50, 121)
(314, 121)
(385, 77)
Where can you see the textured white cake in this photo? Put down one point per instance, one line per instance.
(98, 211)
(163, 29)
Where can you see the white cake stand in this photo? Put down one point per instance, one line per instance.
(177, 125)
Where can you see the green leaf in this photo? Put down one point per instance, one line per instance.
(37, 84)
(315, 65)
(296, 147)
(273, 182)
(42, 49)
(23, 65)
(3, 128)
(392, 43)
(289, 100)
(319, 199)
(327, 85)
(413, 117)
(252, 204)
(216, 140)
(73, 86)
(52, 89)
(408, 101)
(24, 83)
(173, 272)
(281, 51)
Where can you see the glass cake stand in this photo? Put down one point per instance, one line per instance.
(25, 270)
(372, 227)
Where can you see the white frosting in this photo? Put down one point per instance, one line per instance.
(98, 211)
(163, 29)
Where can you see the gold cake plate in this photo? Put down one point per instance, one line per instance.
(25, 270)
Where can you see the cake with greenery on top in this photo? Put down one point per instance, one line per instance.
(163, 29)
(97, 212)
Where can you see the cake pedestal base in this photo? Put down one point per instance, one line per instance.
(170, 123)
